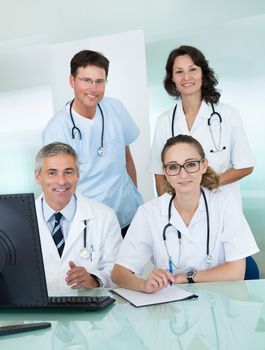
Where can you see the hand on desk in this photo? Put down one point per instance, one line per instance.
(158, 279)
(78, 277)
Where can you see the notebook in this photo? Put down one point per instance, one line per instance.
(167, 295)
(22, 276)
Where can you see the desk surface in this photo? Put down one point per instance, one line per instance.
(229, 315)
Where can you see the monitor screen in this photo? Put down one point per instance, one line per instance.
(22, 276)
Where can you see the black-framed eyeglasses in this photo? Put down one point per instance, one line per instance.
(90, 82)
(192, 166)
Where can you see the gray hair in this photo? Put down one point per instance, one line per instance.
(54, 149)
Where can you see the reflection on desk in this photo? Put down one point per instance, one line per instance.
(228, 315)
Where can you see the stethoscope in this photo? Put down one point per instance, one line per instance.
(209, 257)
(214, 114)
(76, 130)
(84, 252)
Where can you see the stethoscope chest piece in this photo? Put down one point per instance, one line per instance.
(101, 151)
(84, 253)
(209, 261)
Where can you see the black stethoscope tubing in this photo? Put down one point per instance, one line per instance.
(84, 253)
(76, 129)
(84, 235)
(209, 121)
(213, 114)
(179, 233)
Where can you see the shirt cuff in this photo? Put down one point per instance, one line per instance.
(100, 282)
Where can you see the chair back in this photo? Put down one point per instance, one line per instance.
(252, 270)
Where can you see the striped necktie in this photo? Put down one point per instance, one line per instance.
(57, 233)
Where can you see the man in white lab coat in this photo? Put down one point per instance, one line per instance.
(80, 245)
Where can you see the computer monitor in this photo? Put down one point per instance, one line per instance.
(22, 276)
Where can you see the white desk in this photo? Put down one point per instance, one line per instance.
(229, 316)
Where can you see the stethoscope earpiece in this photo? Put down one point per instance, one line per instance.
(212, 151)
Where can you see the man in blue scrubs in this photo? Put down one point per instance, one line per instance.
(100, 129)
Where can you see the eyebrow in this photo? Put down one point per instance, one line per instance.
(53, 169)
(187, 160)
(85, 77)
(191, 65)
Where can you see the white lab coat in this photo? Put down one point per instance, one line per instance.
(230, 236)
(103, 232)
(236, 154)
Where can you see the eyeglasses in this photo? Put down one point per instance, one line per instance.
(174, 169)
(90, 82)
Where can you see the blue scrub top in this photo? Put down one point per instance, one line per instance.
(103, 178)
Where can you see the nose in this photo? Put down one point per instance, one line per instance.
(92, 86)
(186, 75)
(183, 173)
(60, 179)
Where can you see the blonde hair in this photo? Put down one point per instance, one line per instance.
(210, 179)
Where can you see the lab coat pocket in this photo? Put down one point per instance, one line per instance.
(92, 262)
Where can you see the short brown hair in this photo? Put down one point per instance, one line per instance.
(89, 58)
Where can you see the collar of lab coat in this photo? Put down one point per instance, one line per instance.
(176, 220)
(204, 111)
(83, 211)
(181, 122)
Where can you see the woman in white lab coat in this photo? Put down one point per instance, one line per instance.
(194, 233)
(217, 126)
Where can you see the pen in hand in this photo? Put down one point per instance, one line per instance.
(170, 268)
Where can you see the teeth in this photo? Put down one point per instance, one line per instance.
(91, 96)
(60, 189)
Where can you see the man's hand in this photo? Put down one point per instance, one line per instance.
(78, 277)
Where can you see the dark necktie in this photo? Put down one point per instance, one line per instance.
(57, 233)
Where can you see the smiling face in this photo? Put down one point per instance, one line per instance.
(187, 76)
(58, 178)
(184, 182)
(87, 96)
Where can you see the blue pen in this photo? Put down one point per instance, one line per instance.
(170, 268)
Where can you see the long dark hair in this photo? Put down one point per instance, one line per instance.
(209, 81)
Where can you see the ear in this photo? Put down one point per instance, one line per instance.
(37, 177)
(204, 165)
(72, 81)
